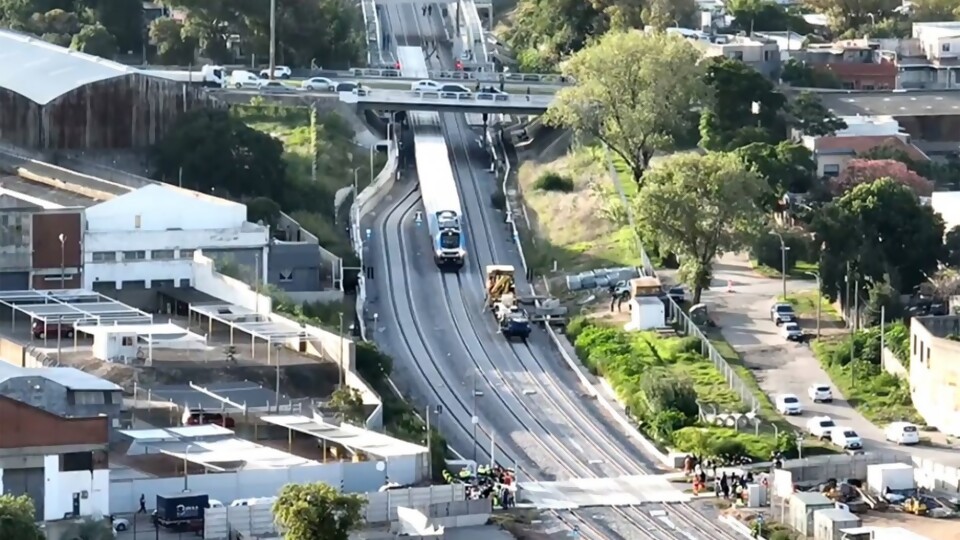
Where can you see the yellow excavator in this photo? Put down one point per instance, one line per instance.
(515, 313)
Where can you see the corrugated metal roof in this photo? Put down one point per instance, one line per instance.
(42, 72)
(69, 377)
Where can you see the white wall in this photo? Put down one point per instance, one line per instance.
(60, 487)
(206, 279)
(156, 218)
(947, 204)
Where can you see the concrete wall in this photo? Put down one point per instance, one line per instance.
(446, 505)
(295, 267)
(206, 279)
(893, 366)
(935, 371)
(61, 487)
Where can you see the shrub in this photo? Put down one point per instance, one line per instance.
(724, 442)
(766, 250)
(552, 181)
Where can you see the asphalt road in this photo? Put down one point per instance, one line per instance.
(781, 367)
(527, 404)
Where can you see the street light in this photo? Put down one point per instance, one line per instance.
(783, 262)
(186, 472)
(816, 275)
(63, 261)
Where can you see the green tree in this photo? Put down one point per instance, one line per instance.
(700, 207)
(95, 40)
(951, 246)
(788, 167)
(633, 93)
(663, 14)
(810, 117)
(881, 232)
(764, 16)
(746, 107)
(123, 19)
(174, 46)
(934, 10)
(219, 153)
(883, 300)
(545, 31)
(846, 14)
(798, 74)
(18, 519)
(348, 402)
(265, 210)
(317, 512)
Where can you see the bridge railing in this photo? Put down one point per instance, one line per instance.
(482, 76)
(372, 24)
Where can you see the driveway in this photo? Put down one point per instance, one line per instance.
(780, 367)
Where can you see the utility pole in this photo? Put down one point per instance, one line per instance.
(273, 36)
(816, 276)
(343, 376)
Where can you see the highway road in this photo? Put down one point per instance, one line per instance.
(528, 406)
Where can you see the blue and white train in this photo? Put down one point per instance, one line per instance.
(438, 188)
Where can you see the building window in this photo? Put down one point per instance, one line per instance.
(831, 170)
(126, 341)
(767, 55)
(867, 87)
(137, 221)
(737, 55)
(945, 47)
(104, 256)
(134, 255)
(914, 344)
(286, 276)
(161, 254)
(184, 282)
(88, 398)
(186, 253)
(928, 356)
(76, 461)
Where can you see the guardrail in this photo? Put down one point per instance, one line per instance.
(482, 76)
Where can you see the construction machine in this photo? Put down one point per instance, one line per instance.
(514, 313)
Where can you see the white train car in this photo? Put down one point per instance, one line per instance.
(438, 188)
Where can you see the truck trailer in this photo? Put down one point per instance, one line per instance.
(513, 313)
(181, 512)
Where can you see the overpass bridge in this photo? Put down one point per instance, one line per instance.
(396, 100)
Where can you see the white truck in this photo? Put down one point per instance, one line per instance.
(208, 76)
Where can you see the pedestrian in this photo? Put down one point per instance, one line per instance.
(621, 298)
(478, 86)
(502, 85)
(423, 10)
(143, 504)
(430, 10)
(528, 93)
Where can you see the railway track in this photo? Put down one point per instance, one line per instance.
(488, 352)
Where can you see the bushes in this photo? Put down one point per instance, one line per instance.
(552, 181)
(729, 443)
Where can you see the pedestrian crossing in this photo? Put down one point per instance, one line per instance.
(590, 492)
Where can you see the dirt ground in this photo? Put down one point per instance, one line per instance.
(935, 529)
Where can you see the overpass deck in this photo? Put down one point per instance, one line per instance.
(592, 492)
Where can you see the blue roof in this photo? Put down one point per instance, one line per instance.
(42, 72)
(71, 378)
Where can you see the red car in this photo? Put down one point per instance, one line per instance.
(41, 330)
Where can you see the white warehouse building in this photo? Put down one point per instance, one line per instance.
(146, 239)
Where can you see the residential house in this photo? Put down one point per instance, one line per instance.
(856, 63)
(935, 371)
(759, 53)
(833, 153)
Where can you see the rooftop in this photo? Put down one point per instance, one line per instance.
(218, 396)
(353, 438)
(894, 103)
(42, 195)
(249, 321)
(211, 446)
(864, 143)
(72, 306)
(71, 378)
(42, 72)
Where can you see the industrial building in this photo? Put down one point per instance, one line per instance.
(60, 462)
(63, 230)
(52, 98)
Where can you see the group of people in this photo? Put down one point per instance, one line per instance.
(489, 482)
(724, 485)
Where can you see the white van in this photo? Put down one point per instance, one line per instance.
(846, 438)
(253, 501)
(243, 79)
(902, 433)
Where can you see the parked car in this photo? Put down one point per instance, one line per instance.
(266, 85)
(347, 86)
(782, 313)
(279, 72)
(44, 330)
(846, 438)
(119, 524)
(243, 79)
(821, 426)
(454, 89)
(789, 404)
(321, 84)
(902, 433)
(791, 331)
(425, 86)
(254, 501)
(199, 417)
(820, 393)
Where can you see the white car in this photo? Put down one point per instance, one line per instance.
(791, 331)
(120, 524)
(820, 393)
(789, 404)
(821, 426)
(846, 438)
(279, 72)
(253, 501)
(243, 79)
(425, 86)
(321, 84)
(902, 433)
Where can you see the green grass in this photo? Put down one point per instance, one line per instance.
(805, 305)
(799, 271)
(880, 397)
(708, 382)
